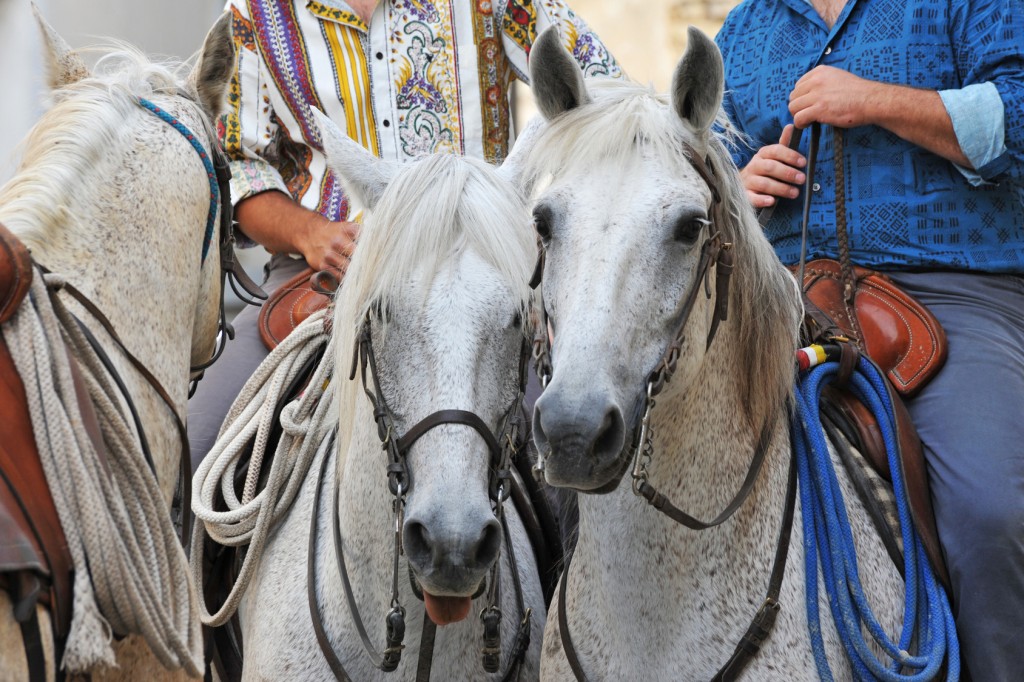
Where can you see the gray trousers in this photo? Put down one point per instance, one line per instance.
(971, 420)
(224, 380)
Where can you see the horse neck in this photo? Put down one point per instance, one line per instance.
(130, 240)
(702, 450)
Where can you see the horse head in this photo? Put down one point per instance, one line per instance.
(436, 297)
(94, 183)
(636, 198)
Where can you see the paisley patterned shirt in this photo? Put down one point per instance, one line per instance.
(424, 76)
(906, 208)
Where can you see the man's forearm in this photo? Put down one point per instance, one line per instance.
(918, 116)
(274, 220)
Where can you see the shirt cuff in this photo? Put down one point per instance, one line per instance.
(979, 124)
(249, 177)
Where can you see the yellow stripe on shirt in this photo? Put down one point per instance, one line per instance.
(353, 84)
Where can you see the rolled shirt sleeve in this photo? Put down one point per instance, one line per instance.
(977, 115)
(990, 53)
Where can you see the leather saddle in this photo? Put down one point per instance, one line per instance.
(289, 306)
(35, 564)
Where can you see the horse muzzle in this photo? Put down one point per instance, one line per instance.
(583, 441)
(450, 563)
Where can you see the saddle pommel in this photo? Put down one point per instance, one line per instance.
(15, 273)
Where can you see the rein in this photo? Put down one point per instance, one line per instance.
(502, 449)
(718, 253)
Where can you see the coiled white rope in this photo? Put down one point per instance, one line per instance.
(305, 423)
(131, 574)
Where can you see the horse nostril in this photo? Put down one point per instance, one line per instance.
(416, 541)
(608, 442)
(488, 545)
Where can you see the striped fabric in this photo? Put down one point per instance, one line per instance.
(424, 76)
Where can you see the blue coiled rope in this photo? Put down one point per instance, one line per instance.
(828, 542)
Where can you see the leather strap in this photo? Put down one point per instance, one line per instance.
(426, 649)
(764, 621)
(442, 417)
(184, 490)
(665, 506)
(32, 641)
(760, 627)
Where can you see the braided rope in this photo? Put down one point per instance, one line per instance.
(131, 574)
(305, 423)
(211, 173)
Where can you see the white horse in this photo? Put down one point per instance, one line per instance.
(625, 203)
(440, 277)
(119, 202)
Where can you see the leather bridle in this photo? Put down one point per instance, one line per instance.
(716, 252)
(502, 449)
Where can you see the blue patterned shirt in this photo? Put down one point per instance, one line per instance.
(906, 208)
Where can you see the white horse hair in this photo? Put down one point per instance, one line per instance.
(622, 213)
(441, 272)
(118, 201)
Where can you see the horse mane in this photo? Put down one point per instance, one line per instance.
(763, 306)
(84, 118)
(435, 208)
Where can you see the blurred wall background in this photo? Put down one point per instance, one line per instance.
(159, 27)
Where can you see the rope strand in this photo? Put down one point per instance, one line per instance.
(131, 575)
(305, 423)
(828, 541)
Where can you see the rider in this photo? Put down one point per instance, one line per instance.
(402, 78)
(928, 98)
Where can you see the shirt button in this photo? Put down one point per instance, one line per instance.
(815, 187)
(828, 50)
(386, 123)
(379, 55)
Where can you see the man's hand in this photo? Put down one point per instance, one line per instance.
(328, 245)
(274, 220)
(838, 98)
(774, 172)
(834, 97)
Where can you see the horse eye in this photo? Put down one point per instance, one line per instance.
(688, 229)
(542, 222)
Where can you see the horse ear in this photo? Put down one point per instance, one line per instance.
(512, 169)
(213, 69)
(362, 174)
(555, 77)
(698, 82)
(63, 65)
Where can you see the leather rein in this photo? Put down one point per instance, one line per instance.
(502, 449)
(718, 253)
